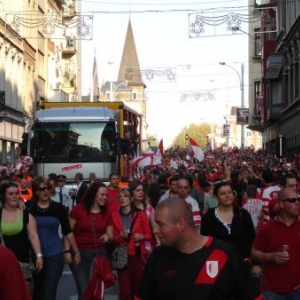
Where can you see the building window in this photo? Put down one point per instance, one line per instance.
(134, 94)
(296, 73)
(8, 152)
(41, 64)
(258, 46)
(257, 93)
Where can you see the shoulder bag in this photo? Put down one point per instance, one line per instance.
(102, 275)
(119, 256)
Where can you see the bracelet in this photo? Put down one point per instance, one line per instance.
(38, 255)
(68, 251)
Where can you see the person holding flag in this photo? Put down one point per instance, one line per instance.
(196, 151)
(160, 148)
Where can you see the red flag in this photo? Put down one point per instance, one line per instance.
(160, 149)
(196, 151)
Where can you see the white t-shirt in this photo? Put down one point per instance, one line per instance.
(254, 207)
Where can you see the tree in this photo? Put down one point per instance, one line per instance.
(197, 132)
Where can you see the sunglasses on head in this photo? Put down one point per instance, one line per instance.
(9, 182)
(291, 200)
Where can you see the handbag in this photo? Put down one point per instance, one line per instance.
(102, 279)
(102, 275)
(119, 256)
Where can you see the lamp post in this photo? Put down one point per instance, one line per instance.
(242, 89)
(212, 140)
(227, 132)
(112, 90)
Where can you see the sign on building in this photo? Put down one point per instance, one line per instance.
(242, 116)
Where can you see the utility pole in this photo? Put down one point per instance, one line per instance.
(242, 104)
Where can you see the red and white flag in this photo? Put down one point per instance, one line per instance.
(196, 151)
(160, 148)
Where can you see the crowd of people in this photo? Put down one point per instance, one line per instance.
(224, 228)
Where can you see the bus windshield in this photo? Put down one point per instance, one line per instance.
(74, 141)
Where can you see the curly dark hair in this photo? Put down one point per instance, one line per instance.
(90, 195)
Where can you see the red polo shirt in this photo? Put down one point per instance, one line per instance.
(270, 238)
(112, 200)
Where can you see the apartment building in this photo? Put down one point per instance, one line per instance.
(276, 97)
(38, 62)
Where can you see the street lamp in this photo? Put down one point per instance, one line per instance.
(112, 89)
(241, 79)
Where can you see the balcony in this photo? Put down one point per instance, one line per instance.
(69, 11)
(274, 66)
(69, 47)
(274, 112)
(58, 2)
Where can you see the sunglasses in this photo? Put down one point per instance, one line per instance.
(291, 200)
(46, 188)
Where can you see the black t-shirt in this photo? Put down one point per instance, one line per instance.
(214, 272)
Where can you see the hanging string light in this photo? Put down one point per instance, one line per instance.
(150, 74)
(200, 23)
(50, 25)
(198, 96)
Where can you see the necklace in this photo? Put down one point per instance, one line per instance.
(43, 209)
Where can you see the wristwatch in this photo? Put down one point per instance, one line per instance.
(68, 251)
(38, 255)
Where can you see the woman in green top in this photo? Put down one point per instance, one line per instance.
(19, 231)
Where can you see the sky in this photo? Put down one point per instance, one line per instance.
(162, 33)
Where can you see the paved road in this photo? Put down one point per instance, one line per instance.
(67, 289)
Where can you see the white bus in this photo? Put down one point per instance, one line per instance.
(68, 140)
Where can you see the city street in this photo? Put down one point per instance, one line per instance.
(67, 289)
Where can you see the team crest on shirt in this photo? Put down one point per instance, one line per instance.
(212, 268)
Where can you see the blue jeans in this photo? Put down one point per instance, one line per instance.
(83, 272)
(279, 296)
(46, 281)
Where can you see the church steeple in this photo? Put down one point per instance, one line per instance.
(95, 87)
(130, 66)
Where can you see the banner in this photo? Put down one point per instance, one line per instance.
(242, 116)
